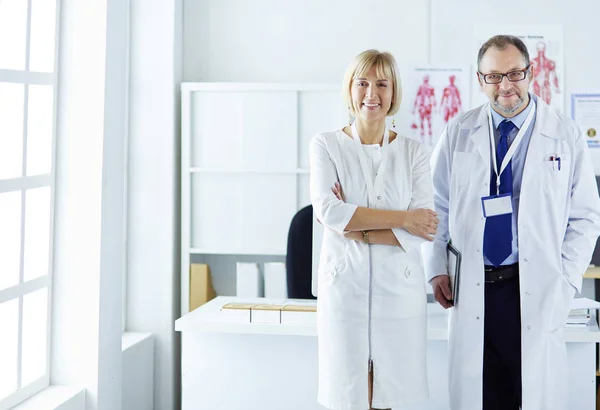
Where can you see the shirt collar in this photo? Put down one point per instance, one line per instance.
(518, 119)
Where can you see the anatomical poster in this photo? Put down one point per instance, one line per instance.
(434, 95)
(546, 55)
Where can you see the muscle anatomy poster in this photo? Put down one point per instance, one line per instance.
(434, 95)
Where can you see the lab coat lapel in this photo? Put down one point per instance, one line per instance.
(477, 126)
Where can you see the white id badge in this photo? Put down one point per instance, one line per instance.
(497, 205)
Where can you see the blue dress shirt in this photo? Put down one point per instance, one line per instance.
(518, 162)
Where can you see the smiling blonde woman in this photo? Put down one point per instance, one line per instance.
(372, 189)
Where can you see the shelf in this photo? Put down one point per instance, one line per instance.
(592, 273)
(232, 251)
(196, 170)
(240, 199)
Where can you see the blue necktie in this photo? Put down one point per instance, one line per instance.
(497, 239)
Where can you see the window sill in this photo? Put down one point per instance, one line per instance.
(131, 339)
(67, 397)
(55, 398)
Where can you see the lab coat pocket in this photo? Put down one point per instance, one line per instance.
(329, 271)
(562, 304)
(555, 174)
(335, 290)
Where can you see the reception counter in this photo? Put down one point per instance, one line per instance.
(232, 364)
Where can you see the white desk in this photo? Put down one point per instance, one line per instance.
(239, 366)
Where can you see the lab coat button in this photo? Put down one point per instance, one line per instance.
(528, 327)
(525, 260)
(378, 197)
(477, 317)
(478, 284)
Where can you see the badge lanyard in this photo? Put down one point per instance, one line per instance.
(373, 189)
(513, 146)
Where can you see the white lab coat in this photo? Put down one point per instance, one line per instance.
(559, 221)
(372, 298)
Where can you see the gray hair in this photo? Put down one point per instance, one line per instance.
(500, 42)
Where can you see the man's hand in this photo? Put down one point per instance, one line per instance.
(441, 291)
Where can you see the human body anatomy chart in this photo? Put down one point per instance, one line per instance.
(434, 96)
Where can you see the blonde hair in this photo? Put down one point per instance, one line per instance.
(385, 66)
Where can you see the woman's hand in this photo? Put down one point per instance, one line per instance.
(337, 190)
(353, 235)
(339, 194)
(422, 222)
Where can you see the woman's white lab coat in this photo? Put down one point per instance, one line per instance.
(372, 298)
(559, 221)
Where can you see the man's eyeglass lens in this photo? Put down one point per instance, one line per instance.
(497, 78)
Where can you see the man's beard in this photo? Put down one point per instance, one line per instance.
(510, 109)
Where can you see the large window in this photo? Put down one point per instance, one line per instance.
(28, 49)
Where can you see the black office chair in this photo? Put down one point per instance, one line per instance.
(298, 260)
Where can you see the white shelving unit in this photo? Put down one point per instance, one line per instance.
(245, 166)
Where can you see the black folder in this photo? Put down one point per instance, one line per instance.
(454, 260)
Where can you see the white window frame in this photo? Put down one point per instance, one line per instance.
(22, 184)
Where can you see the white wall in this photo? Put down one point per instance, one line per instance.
(309, 41)
(153, 201)
(303, 41)
(313, 41)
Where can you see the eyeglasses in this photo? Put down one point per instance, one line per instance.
(496, 78)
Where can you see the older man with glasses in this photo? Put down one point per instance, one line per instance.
(515, 194)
